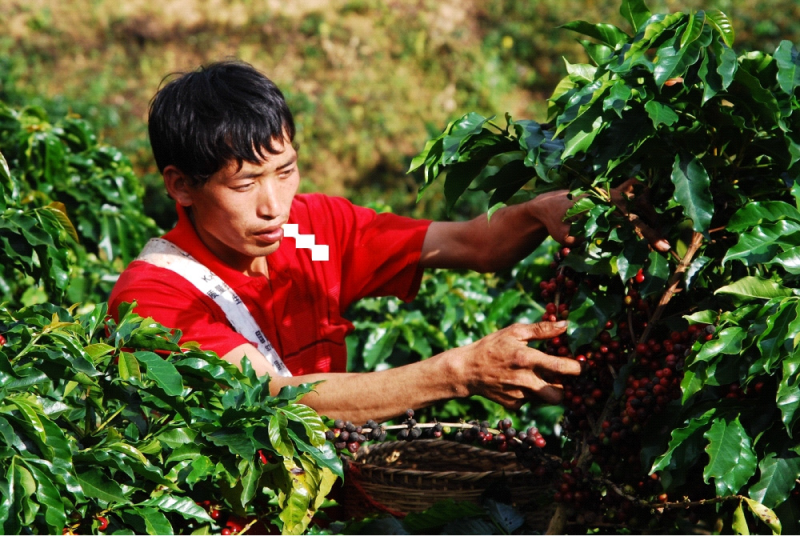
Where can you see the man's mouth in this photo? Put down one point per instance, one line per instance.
(271, 235)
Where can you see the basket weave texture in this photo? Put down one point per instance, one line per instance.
(399, 477)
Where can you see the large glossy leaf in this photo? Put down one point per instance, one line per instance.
(692, 191)
(278, 435)
(778, 475)
(722, 24)
(184, 506)
(732, 460)
(605, 33)
(314, 427)
(727, 341)
(788, 396)
(789, 259)
(635, 12)
(772, 342)
(684, 449)
(755, 287)
(709, 75)
(161, 371)
(761, 243)
(462, 130)
(788, 60)
(694, 28)
(95, 483)
(660, 113)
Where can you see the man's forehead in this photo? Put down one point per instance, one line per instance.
(283, 153)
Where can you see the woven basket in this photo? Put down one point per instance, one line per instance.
(398, 477)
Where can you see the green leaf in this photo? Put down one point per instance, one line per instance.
(764, 514)
(635, 12)
(732, 460)
(379, 344)
(466, 127)
(709, 75)
(458, 179)
(49, 496)
(129, 366)
(162, 372)
(728, 341)
(660, 113)
(311, 421)
(236, 440)
(702, 317)
(720, 22)
(184, 506)
(788, 396)
(605, 33)
(155, 522)
(278, 435)
(755, 287)
(761, 243)
(95, 483)
(579, 135)
(739, 524)
(590, 317)
(694, 28)
(692, 191)
(778, 477)
(788, 60)
(789, 259)
(772, 340)
(760, 212)
(684, 449)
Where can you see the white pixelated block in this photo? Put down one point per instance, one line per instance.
(319, 252)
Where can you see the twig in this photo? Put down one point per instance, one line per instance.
(672, 284)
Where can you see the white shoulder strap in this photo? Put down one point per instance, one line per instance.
(165, 254)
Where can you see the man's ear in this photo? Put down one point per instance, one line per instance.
(178, 186)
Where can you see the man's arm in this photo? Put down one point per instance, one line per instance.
(500, 367)
(489, 245)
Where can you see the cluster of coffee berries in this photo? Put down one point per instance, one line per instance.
(347, 436)
(643, 366)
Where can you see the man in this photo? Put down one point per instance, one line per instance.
(222, 139)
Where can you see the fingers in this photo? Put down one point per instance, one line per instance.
(538, 331)
(625, 190)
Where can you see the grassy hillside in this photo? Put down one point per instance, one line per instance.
(368, 79)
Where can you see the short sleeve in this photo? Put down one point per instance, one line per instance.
(172, 301)
(379, 252)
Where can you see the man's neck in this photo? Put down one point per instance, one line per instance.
(257, 267)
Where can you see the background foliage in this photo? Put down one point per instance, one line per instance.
(369, 80)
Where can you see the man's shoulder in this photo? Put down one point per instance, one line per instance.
(141, 279)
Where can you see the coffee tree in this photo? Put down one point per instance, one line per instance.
(687, 408)
(113, 427)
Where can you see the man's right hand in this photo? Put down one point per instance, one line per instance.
(503, 368)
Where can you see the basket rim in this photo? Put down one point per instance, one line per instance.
(357, 465)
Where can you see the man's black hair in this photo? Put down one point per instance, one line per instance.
(222, 112)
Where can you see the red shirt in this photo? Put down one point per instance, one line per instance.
(300, 306)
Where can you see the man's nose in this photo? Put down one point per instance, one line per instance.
(268, 200)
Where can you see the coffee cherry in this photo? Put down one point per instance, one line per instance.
(102, 523)
(215, 514)
(226, 531)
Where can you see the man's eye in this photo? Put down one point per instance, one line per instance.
(242, 187)
(287, 172)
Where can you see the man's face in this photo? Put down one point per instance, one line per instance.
(238, 212)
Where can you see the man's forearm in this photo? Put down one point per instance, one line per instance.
(491, 244)
(358, 397)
